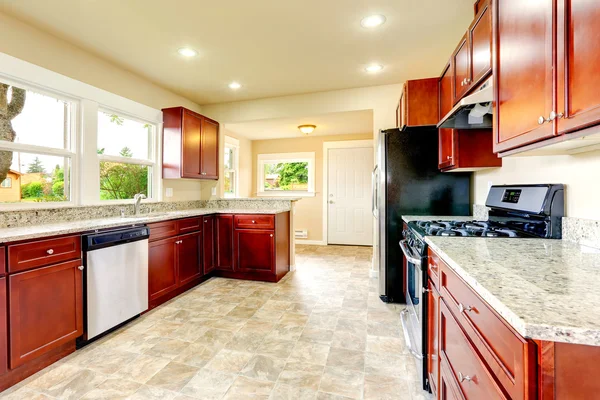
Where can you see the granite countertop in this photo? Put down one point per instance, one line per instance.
(545, 289)
(409, 218)
(62, 228)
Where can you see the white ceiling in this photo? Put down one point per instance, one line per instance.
(272, 47)
(328, 124)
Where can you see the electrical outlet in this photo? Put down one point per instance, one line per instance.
(169, 192)
(213, 191)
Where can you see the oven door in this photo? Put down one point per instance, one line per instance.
(412, 316)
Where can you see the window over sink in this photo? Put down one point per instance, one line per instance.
(286, 174)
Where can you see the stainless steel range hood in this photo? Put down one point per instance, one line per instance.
(473, 111)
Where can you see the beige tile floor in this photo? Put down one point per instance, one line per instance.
(321, 333)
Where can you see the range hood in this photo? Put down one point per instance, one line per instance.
(473, 111)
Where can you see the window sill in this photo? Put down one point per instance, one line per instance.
(286, 194)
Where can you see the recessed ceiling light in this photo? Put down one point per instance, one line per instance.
(234, 86)
(372, 21)
(187, 52)
(373, 68)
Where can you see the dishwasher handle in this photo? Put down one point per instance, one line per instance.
(101, 240)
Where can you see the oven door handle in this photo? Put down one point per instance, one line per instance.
(407, 335)
(407, 253)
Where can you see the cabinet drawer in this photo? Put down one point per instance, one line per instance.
(189, 225)
(43, 252)
(161, 230)
(255, 221)
(433, 268)
(473, 379)
(506, 353)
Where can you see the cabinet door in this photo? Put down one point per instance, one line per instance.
(446, 136)
(162, 267)
(224, 245)
(46, 310)
(208, 239)
(254, 250)
(189, 257)
(448, 390)
(210, 149)
(190, 152)
(461, 62)
(480, 39)
(578, 61)
(3, 328)
(523, 72)
(433, 310)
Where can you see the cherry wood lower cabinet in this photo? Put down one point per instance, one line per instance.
(3, 327)
(224, 242)
(433, 309)
(162, 267)
(208, 235)
(189, 258)
(45, 310)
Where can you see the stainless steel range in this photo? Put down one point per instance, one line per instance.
(515, 211)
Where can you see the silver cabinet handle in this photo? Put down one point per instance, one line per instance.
(462, 308)
(463, 378)
(554, 115)
(253, 221)
(179, 242)
(448, 157)
(271, 235)
(425, 290)
(541, 120)
(80, 268)
(50, 251)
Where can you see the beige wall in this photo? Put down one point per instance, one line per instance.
(309, 210)
(578, 172)
(37, 47)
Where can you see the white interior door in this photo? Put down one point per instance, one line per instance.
(349, 219)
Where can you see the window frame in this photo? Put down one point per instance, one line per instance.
(86, 100)
(235, 145)
(263, 159)
(10, 183)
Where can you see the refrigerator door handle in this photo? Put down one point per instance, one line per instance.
(374, 192)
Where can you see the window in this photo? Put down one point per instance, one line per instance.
(231, 167)
(36, 133)
(125, 151)
(287, 174)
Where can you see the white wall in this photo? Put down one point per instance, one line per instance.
(580, 173)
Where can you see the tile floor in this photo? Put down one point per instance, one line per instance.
(321, 333)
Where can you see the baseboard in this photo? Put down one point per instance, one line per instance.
(373, 273)
(311, 242)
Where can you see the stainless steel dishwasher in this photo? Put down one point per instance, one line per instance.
(115, 279)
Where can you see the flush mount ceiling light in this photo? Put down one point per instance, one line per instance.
(307, 129)
(187, 52)
(373, 68)
(372, 21)
(234, 86)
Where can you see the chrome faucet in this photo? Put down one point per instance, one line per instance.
(136, 205)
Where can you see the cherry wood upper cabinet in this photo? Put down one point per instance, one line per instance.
(190, 145)
(523, 72)
(578, 69)
(447, 136)
(162, 267)
(419, 102)
(224, 242)
(480, 40)
(461, 61)
(45, 310)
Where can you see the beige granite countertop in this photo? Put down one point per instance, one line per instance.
(61, 228)
(545, 289)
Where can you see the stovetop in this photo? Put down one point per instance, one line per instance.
(511, 229)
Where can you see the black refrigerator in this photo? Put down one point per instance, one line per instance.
(407, 181)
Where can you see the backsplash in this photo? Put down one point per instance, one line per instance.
(27, 217)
